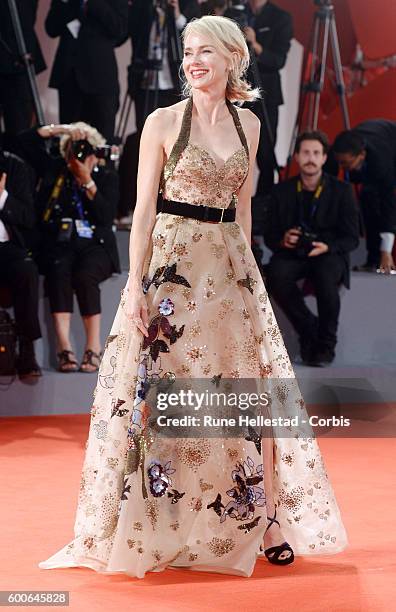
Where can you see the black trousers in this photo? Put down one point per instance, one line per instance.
(325, 272)
(371, 211)
(79, 266)
(99, 110)
(128, 168)
(17, 107)
(19, 273)
(265, 160)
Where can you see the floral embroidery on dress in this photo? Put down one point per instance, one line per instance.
(164, 274)
(246, 494)
(161, 323)
(247, 282)
(116, 408)
(159, 477)
(216, 299)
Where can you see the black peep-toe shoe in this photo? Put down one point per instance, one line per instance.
(274, 552)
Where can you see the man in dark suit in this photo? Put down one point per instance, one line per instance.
(15, 94)
(311, 227)
(18, 271)
(269, 34)
(199, 8)
(85, 70)
(76, 205)
(154, 28)
(368, 155)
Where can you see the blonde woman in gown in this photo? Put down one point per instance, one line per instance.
(195, 306)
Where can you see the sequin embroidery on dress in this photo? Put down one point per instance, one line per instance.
(148, 502)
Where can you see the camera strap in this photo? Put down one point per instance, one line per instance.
(54, 196)
(76, 198)
(314, 204)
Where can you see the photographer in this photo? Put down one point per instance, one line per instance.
(76, 206)
(199, 8)
(368, 155)
(18, 271)
(155, 29)
(153, 77)
(312, 226)
(15, 94)
(85, 69)
(269, 34)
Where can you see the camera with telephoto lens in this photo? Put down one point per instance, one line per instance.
(305, 240)
(81, 149)
(237, 11)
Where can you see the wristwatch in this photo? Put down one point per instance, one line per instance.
(88, 185)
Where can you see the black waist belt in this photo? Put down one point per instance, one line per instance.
(203, 213)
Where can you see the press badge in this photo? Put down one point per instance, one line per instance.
(84, 230)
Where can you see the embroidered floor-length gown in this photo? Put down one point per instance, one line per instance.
(147, 502)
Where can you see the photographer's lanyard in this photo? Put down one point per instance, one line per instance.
(313, 206)
(54, 197)
(76, 199)
(83, 226)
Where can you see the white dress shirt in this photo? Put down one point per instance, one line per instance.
(4, 236)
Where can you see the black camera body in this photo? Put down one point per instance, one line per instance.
(304, 244)
(81, 149)
(237, 11)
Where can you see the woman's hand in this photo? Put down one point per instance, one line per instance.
(387, 265)
(80, 170)
(176, 7)
(136, 307)
(75, 133)
(251, 38)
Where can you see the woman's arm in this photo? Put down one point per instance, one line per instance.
(151, 159)
(251, 125)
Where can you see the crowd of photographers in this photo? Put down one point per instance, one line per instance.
(60, 192)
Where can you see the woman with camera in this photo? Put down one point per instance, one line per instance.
(76, 204)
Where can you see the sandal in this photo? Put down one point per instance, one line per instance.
(88, 358)
(64, 360)
(274, 552)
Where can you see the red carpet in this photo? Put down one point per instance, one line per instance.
(41, 459)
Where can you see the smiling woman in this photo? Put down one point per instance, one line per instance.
(216, 48)
(195, 308)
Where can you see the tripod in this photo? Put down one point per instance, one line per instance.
(150, 68)
(27, 60)
(324, 32)
(144, 82)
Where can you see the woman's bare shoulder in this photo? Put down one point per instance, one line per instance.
(167, 117)
(250, 122)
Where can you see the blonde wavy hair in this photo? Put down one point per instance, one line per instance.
(94, 137)
(229, 40)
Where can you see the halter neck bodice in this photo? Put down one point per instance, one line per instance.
(192, 175)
